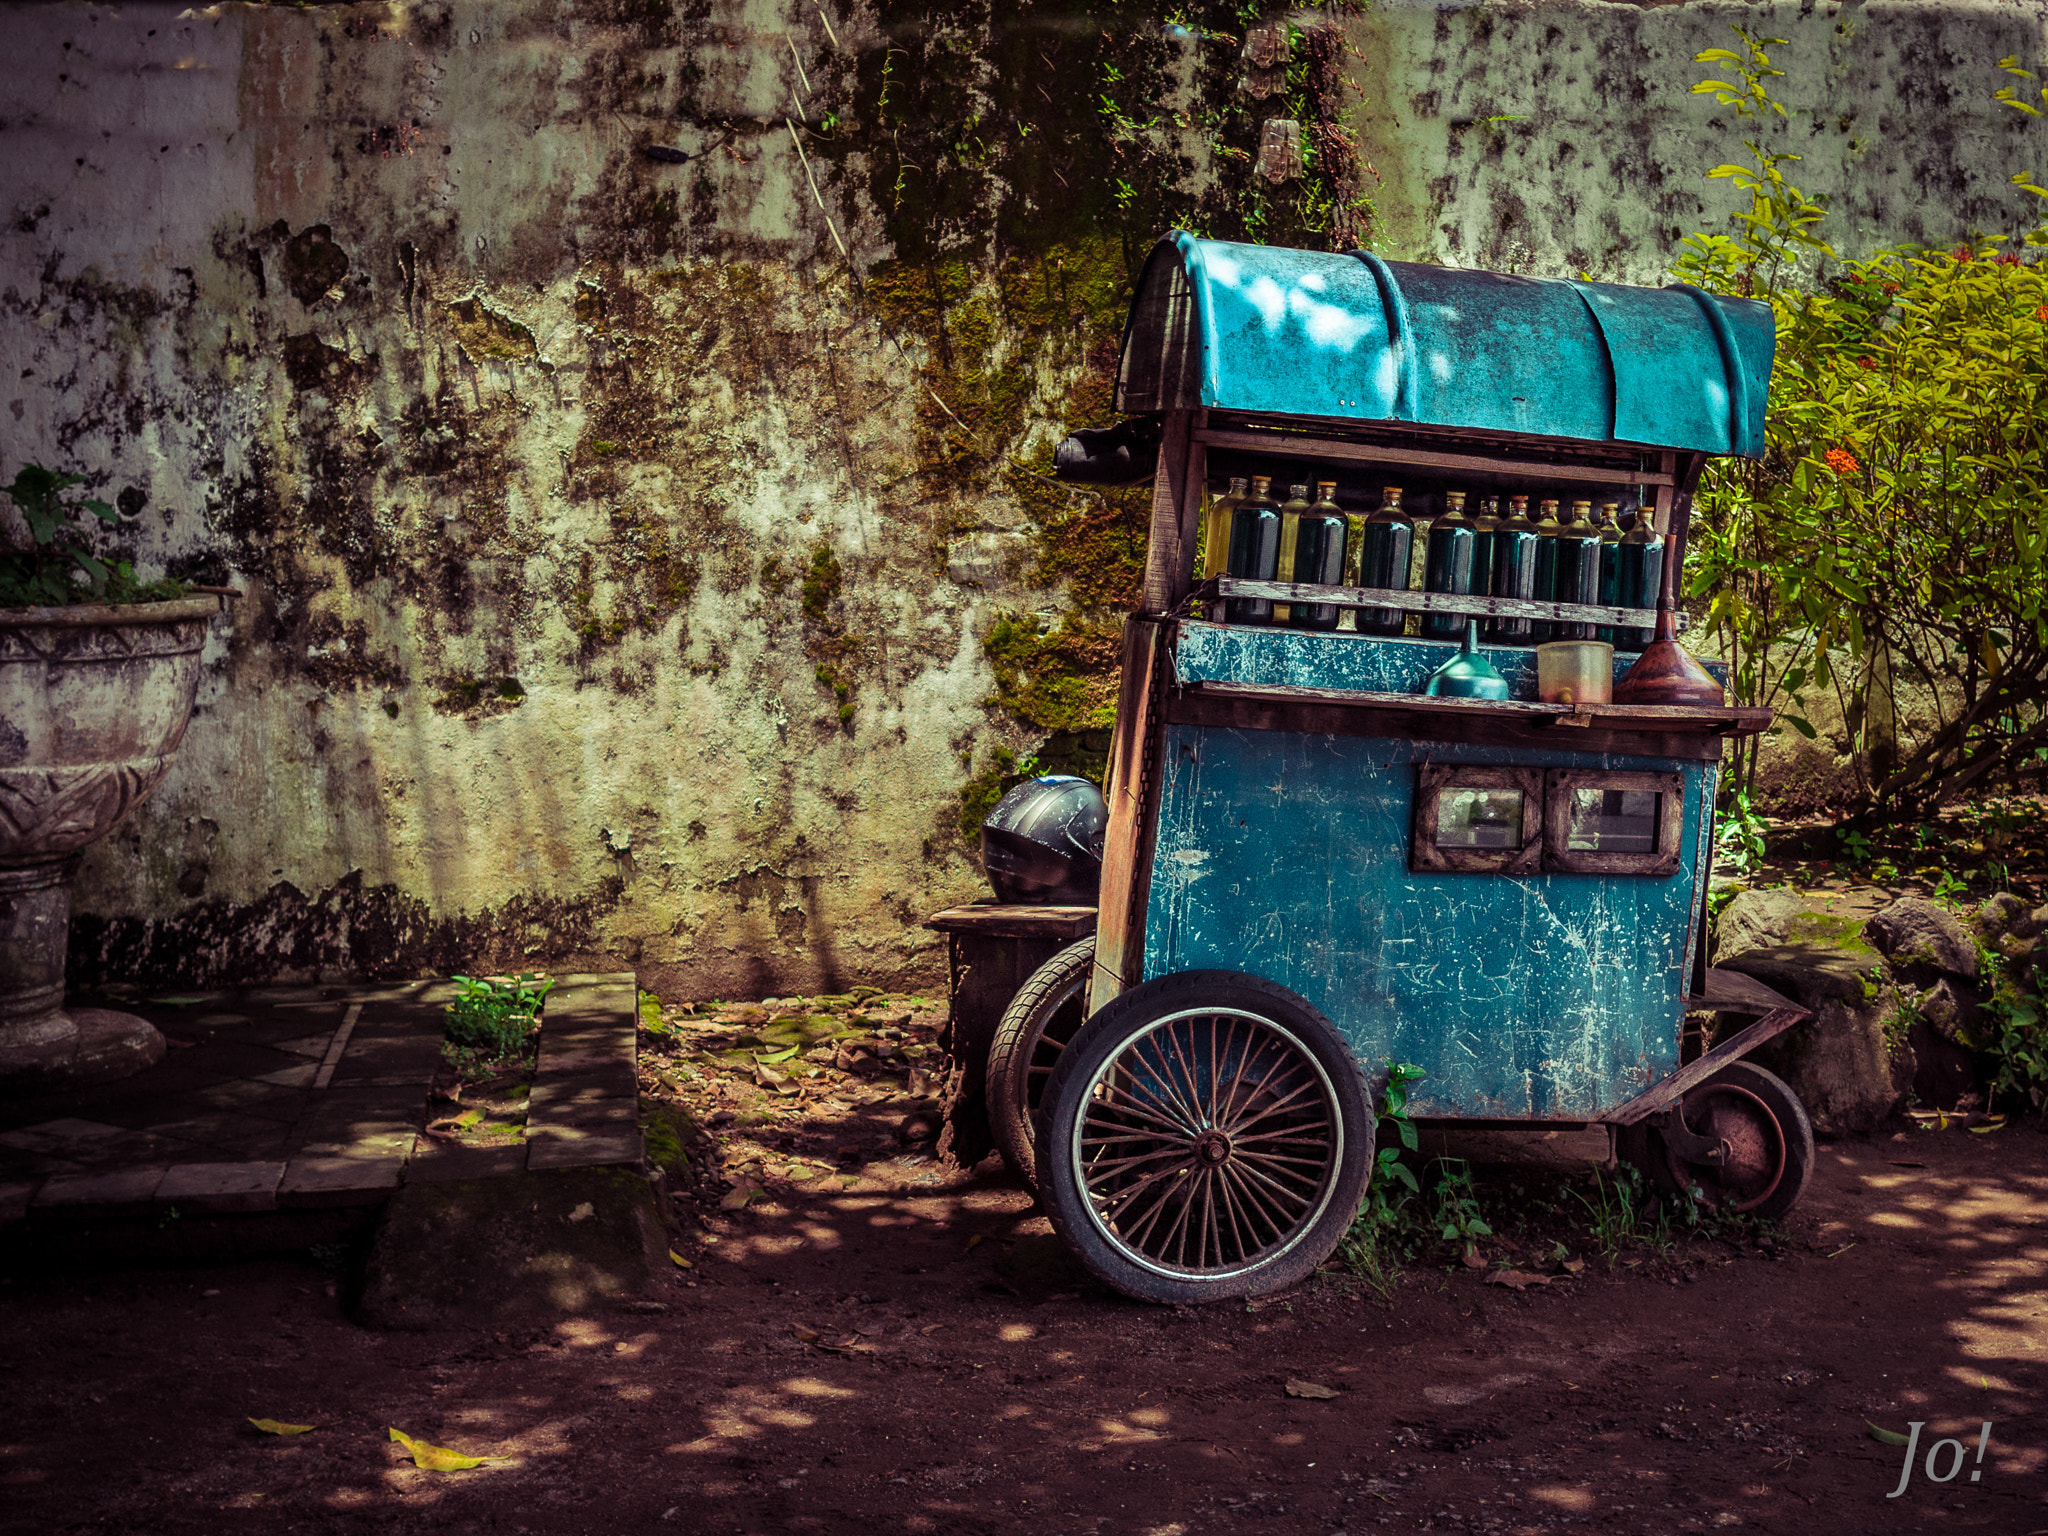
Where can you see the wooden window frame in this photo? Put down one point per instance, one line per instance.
(1432, 779)
(1557, 822)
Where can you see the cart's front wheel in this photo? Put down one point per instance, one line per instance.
(1207, 1135)
(1768, 1138)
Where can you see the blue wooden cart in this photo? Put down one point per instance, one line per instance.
(1292, 894)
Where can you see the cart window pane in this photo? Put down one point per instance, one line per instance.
(1614, 820)
(1479, 818)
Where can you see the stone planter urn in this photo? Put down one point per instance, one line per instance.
(94, 700)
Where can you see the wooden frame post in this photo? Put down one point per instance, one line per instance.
(1177, 488)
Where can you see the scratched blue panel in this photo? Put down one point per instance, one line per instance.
(1286, 855)
(1249, 653)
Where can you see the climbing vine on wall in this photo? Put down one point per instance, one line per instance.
(1023, 158)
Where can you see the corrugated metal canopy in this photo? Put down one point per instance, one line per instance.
(1312, 333)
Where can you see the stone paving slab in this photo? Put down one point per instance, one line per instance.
(104, 1192)
(562, 1146)
(237, 1125)
(324, 1183)
(221, 1187)
(438, 1163)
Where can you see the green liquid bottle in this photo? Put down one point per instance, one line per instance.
(1547, 530)
(1216, 531)
(1383, 561)
(1514, 571)
(1448, 566)
(1610, 563)
(1254, 551)
(1641, 559)
(1578, 567)
(1319, 556)
(1485, 523)
(1290, 532)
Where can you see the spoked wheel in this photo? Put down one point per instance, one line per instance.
(1041, 1019)
(1207, 1135)
(1768, 1138)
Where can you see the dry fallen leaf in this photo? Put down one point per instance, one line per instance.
(583, 1212)
(1885, 1436)
(273, 1427)
(1518, 1279)
(808, 1335)
(435, 1458)
(678, 1260)
(739, 1195)
(1296, 1388)
(975, 1242)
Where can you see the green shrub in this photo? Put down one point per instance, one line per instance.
(1891, 534)
(495, 1016)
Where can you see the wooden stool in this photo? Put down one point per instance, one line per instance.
(991, 950)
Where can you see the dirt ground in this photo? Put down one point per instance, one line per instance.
(866, 1341)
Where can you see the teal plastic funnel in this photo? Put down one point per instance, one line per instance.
(1467, 675)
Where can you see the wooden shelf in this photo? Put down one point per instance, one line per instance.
(1410, 601)
(1672, 719)
(1303, 445)
(1003, 920)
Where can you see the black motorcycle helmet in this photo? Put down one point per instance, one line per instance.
(1043, 844)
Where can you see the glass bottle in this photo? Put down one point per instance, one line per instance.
(1485, 523)
(1610, 562)
(1383, 562)
(1547, 530)
(1578, 567)
(1641, 559)
(1254, 551)
(1290, 531)
(1216, 530)
(1319, 556)
(1514, 571)
(1448, 566)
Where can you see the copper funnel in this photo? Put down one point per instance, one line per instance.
(1666, 673)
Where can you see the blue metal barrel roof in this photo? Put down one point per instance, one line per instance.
(1262, 328)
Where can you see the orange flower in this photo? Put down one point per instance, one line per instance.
(1842, 462)
(2041, 313)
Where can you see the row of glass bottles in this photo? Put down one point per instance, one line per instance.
(1541, 559)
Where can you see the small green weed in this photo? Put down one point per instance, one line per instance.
(1383, 1232)
(1457, 1203)
(2013, 1032)
(1618, 1214)
(492, 1018)
(1739, 837)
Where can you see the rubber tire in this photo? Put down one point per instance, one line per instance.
(1784, 1104)
(1104, 1036)
(1044, 1005)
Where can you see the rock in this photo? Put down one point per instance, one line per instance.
(1768, 919)
(490, 1252)
(1950, 1011)
(1914, 931)
(1755, 920)
(2000, 915)
(1848, 1067)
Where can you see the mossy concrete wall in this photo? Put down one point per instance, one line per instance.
(649, 559)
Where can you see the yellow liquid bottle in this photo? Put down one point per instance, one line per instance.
(1290, 534)
(1216, 530)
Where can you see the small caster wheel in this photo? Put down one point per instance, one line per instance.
(1769, 1141)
